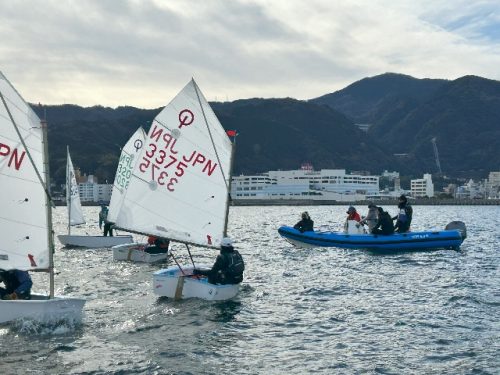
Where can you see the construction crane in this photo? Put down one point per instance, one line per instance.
(436, 155)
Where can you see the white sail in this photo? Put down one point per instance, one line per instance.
(75, 212)
(128, 157)
(179, 187)
(23, 220)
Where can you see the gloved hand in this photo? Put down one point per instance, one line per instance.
(11, 296)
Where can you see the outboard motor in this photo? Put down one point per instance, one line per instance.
(458, 225)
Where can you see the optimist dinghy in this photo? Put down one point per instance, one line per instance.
(179, 188)
(75, 217)
(27, 241)
(450, 238)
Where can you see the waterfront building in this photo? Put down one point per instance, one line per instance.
(90, 190)
(422, 187)
(305, 183)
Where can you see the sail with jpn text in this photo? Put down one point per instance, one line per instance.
(179, 187)
(24, 241)
(128, 157)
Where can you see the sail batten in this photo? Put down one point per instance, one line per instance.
(178, 188)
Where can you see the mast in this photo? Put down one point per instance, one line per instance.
(48, 204)
(228, 202)
(68, 190)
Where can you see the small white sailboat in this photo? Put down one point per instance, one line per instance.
(27, 241)
(179, 189)
(75, 217)
(130, 251)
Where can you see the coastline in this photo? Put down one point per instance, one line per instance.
(414, 202)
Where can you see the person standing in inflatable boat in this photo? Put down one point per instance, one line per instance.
(404, 216)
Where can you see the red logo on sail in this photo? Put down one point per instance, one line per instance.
(32, 260)
(209, 239)
(186, 118)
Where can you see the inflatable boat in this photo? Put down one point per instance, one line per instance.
(449, 238)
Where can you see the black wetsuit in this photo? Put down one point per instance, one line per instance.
(227, 269)
(384, 224)
(305, 225)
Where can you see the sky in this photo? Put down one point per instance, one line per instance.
(142, 52)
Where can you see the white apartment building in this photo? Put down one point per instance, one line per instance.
(91, 191)
(327, 184)
(422, 187)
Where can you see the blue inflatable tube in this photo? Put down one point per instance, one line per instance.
(447, 239)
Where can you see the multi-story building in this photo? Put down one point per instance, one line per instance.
(422, 187)
(90, 190)
(305, 183)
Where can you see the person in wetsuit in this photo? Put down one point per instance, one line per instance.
(306, 224)
(17, 285)
(157, 245)
(384, 224)
(228, 267)
(404, 216)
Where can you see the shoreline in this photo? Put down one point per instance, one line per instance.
(413, 202)
(310, 202)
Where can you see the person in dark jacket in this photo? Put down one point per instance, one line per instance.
(306, 224)
(384, 224)
(157, 245)
(17, 285)
(103, 219)
(404, 216)
(228, 267)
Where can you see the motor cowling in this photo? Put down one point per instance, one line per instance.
(458, 225)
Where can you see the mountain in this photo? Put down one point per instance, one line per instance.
(405, 113)
(273, 134)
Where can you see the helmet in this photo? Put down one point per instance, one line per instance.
(226, 242)
(350, 209)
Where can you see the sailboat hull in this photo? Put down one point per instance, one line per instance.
(135, 252)
(42, 309)
(94, 242)
(171, 282)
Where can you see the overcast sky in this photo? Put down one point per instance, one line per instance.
(141, 53)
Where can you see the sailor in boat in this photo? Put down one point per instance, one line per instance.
(352, 223)
(228, 267)
(404, 216)
(17, 285)
(371, 217)
(306, 224)
(384, 224)
(103, 219)
(157, 245)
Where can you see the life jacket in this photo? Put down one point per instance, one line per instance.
(234, 267)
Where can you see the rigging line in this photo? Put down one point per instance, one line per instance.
(27, 150)
(189, 252)
(210, 132)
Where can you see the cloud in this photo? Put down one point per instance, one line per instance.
(142, 53)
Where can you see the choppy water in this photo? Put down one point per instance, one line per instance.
(324, 311)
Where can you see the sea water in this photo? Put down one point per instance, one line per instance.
(320, 310)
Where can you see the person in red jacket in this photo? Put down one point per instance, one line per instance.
(352, 214)
(157, 245)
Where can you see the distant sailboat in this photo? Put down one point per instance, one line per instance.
(75, 217)
(27, 242)
(135, 252)
(179, 189)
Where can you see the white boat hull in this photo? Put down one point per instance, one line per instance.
(42, 309)
(171, 282)
(94, 242)
(134, 252)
